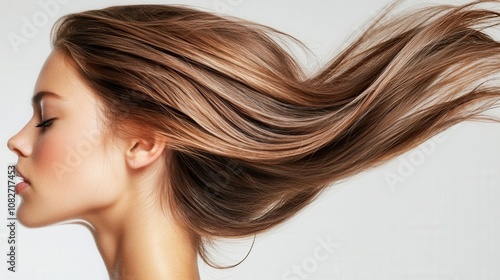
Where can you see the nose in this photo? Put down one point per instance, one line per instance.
(19, 144)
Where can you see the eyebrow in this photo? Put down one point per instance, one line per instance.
(42, 94)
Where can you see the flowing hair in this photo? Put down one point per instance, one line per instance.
(251, 138)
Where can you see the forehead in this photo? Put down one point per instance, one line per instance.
(60, 76)
(56, 72)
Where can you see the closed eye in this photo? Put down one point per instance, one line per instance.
(46, 123)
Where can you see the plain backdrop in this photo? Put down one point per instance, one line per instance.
(439, 220)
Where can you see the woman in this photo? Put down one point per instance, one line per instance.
(189, 126)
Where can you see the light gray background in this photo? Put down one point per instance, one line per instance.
(441, 221)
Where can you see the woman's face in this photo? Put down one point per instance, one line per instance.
(71, 172)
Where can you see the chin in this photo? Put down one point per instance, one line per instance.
(28, 219)
(30, 223)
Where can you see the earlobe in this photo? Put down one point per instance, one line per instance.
(142, 152)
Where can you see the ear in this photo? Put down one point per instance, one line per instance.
(143, 151)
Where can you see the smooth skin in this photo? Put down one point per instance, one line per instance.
(78, 171)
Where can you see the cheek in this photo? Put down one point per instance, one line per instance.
(65, 150)
(78, 163)
(55, 155)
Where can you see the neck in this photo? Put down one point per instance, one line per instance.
(139, 241)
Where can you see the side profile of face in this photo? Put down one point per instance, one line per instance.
(71, 171)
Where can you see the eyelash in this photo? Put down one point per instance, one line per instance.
(46, 123)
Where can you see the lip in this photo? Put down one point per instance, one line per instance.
(22, 185)
(19, 174)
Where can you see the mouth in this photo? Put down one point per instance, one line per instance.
(21, 182)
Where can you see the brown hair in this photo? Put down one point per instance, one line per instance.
(252, 139)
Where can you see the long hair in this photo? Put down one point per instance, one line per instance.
(252, 139)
